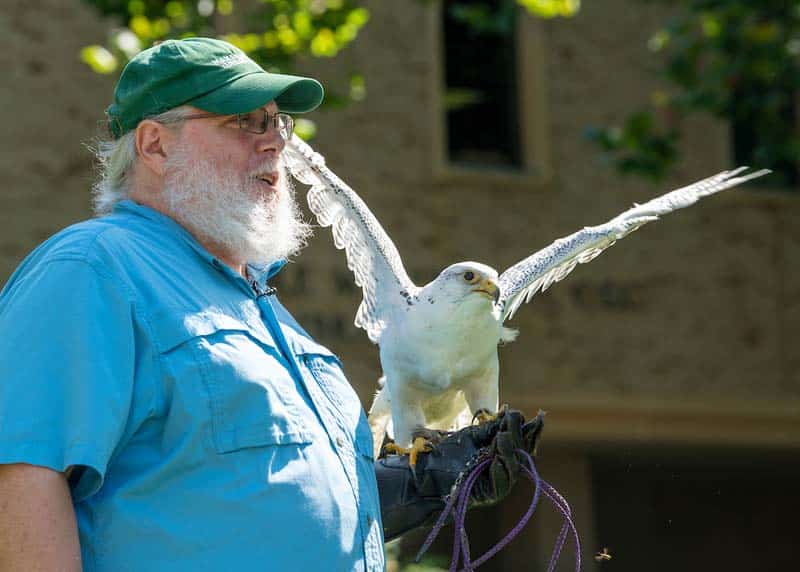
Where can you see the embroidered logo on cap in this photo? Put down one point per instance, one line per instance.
(230, 60)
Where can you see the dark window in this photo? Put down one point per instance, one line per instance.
(480, 97)
(763, 124)
(757, 51)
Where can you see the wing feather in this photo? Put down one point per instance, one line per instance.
(552, 264)
(371, 255)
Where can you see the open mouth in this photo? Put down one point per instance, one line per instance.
(270, 178)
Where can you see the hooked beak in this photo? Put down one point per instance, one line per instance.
(488, 288)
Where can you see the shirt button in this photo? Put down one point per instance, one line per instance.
(339, 442)
(369, 520)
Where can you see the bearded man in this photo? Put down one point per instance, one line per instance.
(159, 408)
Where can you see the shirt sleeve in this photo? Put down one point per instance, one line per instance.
(66, 369)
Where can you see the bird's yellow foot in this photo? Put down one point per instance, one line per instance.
(420, 445)
(483, 415)
(395, 449)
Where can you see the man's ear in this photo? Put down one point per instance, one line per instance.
(152, 141)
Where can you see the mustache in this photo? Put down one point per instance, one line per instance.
(267, 166)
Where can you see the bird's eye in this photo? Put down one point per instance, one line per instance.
(469, 276)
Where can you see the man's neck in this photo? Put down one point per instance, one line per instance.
(152, 201)
(236, 267)
(219, 253)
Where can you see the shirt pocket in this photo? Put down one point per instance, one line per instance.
(252, 399)
(327, 372)
(326, 369)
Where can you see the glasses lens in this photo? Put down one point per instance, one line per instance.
(253, 122)
(259, 121)
(285, 125)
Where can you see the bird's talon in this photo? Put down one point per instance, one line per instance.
(395, 449)
(420, 445)
(483, 416)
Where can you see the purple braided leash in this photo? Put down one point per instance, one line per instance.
(563, 507)
(458, 503)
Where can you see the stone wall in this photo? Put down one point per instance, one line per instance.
(50, 105)
(697, 310)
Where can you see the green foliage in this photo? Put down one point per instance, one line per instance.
(640, 146)
(423, 567)
(551, 8)
(396, 561)
(497, 17)
(272, 32)
(484, 18)
(99, 59)
(735, 59)
(275, 32)
(459, 98)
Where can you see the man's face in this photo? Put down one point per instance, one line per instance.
(229, 188)
(219, 141)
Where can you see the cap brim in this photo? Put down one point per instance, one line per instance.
(293, 94)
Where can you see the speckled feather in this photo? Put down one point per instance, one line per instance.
(371, 254)
(541, 270)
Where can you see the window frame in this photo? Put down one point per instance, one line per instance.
(535, 151)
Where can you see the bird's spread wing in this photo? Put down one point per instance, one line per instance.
(371, 254)
(539, 271)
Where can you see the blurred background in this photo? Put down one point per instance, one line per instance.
(483, 130)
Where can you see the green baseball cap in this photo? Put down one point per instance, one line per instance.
(209, 74)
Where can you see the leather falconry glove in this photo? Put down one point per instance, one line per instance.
(414, 497)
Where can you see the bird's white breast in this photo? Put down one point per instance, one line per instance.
(437, 346)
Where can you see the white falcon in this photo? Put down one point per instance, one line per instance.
(438, 343)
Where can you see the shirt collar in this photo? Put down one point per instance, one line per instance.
(261, 273)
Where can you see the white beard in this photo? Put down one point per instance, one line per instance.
(226, 209)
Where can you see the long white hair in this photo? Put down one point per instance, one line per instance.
(115, 161)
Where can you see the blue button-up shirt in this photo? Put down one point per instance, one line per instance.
(207, 430)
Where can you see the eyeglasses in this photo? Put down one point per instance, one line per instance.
(257, 121)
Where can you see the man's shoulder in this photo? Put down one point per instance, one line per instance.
(105, 243)
(84, 240)
(95, 241)
(61, 257)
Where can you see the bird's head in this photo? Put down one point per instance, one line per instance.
(469, 281)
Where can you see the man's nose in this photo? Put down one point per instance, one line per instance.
(271, 140)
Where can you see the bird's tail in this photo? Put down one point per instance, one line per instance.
(380, 416)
